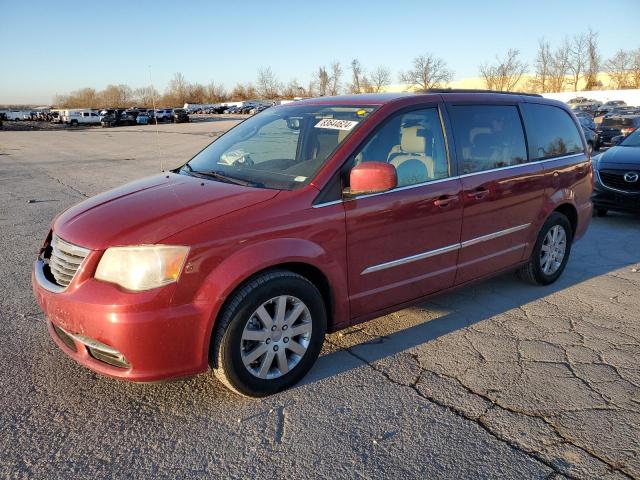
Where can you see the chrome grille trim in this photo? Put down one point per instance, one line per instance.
(65, 260)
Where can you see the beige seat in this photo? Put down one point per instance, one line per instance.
(413, 146)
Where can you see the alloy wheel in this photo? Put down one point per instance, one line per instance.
(276, 337)
(553, 249)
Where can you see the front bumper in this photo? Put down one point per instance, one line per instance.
(133, 336)
(611, 199)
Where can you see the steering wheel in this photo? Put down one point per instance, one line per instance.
(244, 161)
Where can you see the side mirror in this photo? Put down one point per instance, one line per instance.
(372, 177)
(616, 140)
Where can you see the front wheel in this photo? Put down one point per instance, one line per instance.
(550, 253)
(269, 334)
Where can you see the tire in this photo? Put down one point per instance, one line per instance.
(537, 271)
(600, 212)
(74, 123)
(238, 361)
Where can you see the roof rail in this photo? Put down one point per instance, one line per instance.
(472, 90)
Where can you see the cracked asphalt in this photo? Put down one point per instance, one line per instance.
(501, 379)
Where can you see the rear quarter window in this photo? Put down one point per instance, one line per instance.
(551, 132)
(488, 137)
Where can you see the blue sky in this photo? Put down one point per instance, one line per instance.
(50, 47)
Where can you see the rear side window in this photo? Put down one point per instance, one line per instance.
(488, 136)
(551, 131)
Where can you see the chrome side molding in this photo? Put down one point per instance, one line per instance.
(443, 250)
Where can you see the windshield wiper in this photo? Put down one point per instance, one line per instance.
(222, 177)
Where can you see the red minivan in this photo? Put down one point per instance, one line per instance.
(307, 218)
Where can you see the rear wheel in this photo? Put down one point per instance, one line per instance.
(269, 334)
(550, 253)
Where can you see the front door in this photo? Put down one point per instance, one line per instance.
(502, 193)
(403, 244)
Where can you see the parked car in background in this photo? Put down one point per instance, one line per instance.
(613, 126)
(308, 218)
(614, 104)
(589, 129)
(119, 118)
(585, 108)
(600, 114)
(163, 115)
(17, 115)
(180, 115)
(142, 118)
(617, 177)
(77, 117)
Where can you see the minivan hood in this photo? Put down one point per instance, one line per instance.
(149, 210)
(622, 157)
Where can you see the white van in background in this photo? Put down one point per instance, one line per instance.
(80, 117)
(18, 114)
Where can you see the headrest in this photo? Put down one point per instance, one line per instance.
(483, 140)
(412, 139)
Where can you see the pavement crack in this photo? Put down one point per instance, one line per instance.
(479, 421)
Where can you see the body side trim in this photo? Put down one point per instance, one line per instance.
(446, 249)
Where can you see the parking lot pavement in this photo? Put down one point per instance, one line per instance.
(501, 379)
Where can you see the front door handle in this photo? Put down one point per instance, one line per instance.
(445, 200)
(478, 193)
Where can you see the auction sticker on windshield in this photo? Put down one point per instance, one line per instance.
(335, 124)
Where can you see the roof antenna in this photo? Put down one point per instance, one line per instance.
(153, 104)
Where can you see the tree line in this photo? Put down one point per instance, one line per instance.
(574, 64)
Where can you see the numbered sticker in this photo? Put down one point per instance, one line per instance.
(335, 124)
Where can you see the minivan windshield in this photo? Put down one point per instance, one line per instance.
(282, 148)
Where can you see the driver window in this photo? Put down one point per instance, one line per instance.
(413, 142)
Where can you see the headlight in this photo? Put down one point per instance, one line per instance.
(142, 267)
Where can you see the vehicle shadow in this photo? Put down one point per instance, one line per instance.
(598, 253)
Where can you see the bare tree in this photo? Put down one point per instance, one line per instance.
(577, 59)
(268, 85)
(177, 91)
(560, 67)
(216, 93)
(196, 93)
(357, 77)
(543, 66)
(321, 81)
(293, 89)
(505, 73)
(117, 96)
(378, 79)
(83, 98)
(635, 68)
(619, 68)
(593, 60)
(243, 92)
(145, 96)
(335, 78)
(428, 72)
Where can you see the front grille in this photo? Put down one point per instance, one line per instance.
(615, 179)
(64, 260)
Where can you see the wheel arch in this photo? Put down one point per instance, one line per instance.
(571, 212)
(299, 256)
